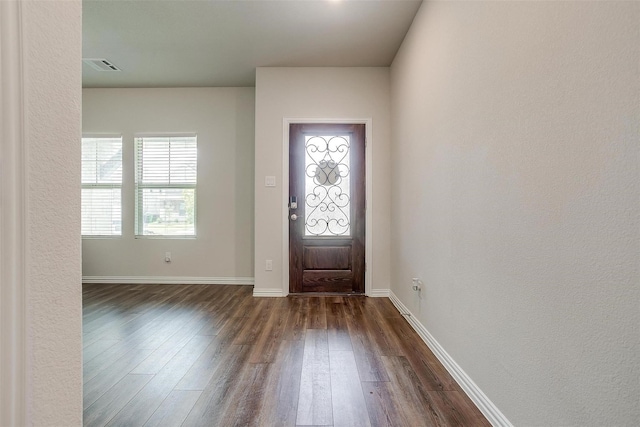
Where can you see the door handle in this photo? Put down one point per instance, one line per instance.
(294, 217)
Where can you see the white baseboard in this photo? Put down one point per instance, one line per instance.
(169, 280)
(379, 293)
(268, 292)
(486, 406)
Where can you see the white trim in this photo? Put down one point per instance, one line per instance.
(379, 293)
(165, 135)
(102, 135)
(169, 280)
(368, 257)
(486, 406)
(151, 236)
(270, 292)
(13, 219)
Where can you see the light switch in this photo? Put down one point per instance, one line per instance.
(269, 181)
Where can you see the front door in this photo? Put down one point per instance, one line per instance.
(326, 208)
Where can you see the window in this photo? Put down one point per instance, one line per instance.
(166, 175)
(101, 186)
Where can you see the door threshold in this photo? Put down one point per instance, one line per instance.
(326, 294)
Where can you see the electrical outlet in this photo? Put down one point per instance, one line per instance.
(416, 284)
(268, 265)
(167, 257)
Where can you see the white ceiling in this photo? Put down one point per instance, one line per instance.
(159, 43)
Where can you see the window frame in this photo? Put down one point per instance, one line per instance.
(139, 188)
(105, 186)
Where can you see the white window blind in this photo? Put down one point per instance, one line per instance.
(166, 177)
(101, 186)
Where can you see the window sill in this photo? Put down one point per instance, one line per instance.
(163, 237)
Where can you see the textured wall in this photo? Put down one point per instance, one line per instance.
(516, 193)
(52, 54)
(223, 118)
(318, 93)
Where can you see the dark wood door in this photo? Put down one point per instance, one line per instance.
(326, 208)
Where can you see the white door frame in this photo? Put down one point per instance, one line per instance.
(369, 196)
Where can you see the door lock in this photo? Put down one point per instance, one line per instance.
(293, 202)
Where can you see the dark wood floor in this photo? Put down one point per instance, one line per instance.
(211, 355)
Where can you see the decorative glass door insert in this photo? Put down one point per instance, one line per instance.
(327, 186)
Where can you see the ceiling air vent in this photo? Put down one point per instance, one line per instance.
(100, 64)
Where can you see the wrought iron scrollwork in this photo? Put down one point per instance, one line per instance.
(327, 196)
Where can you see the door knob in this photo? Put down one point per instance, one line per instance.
(294, 217)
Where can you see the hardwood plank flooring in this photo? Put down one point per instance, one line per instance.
(314, 402)
(349, 408)
(174, 409)
(206, 355)
(384, 407)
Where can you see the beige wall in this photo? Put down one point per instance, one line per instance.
(516, 161)
(52, 78)
(223, 119)
(318, 93)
